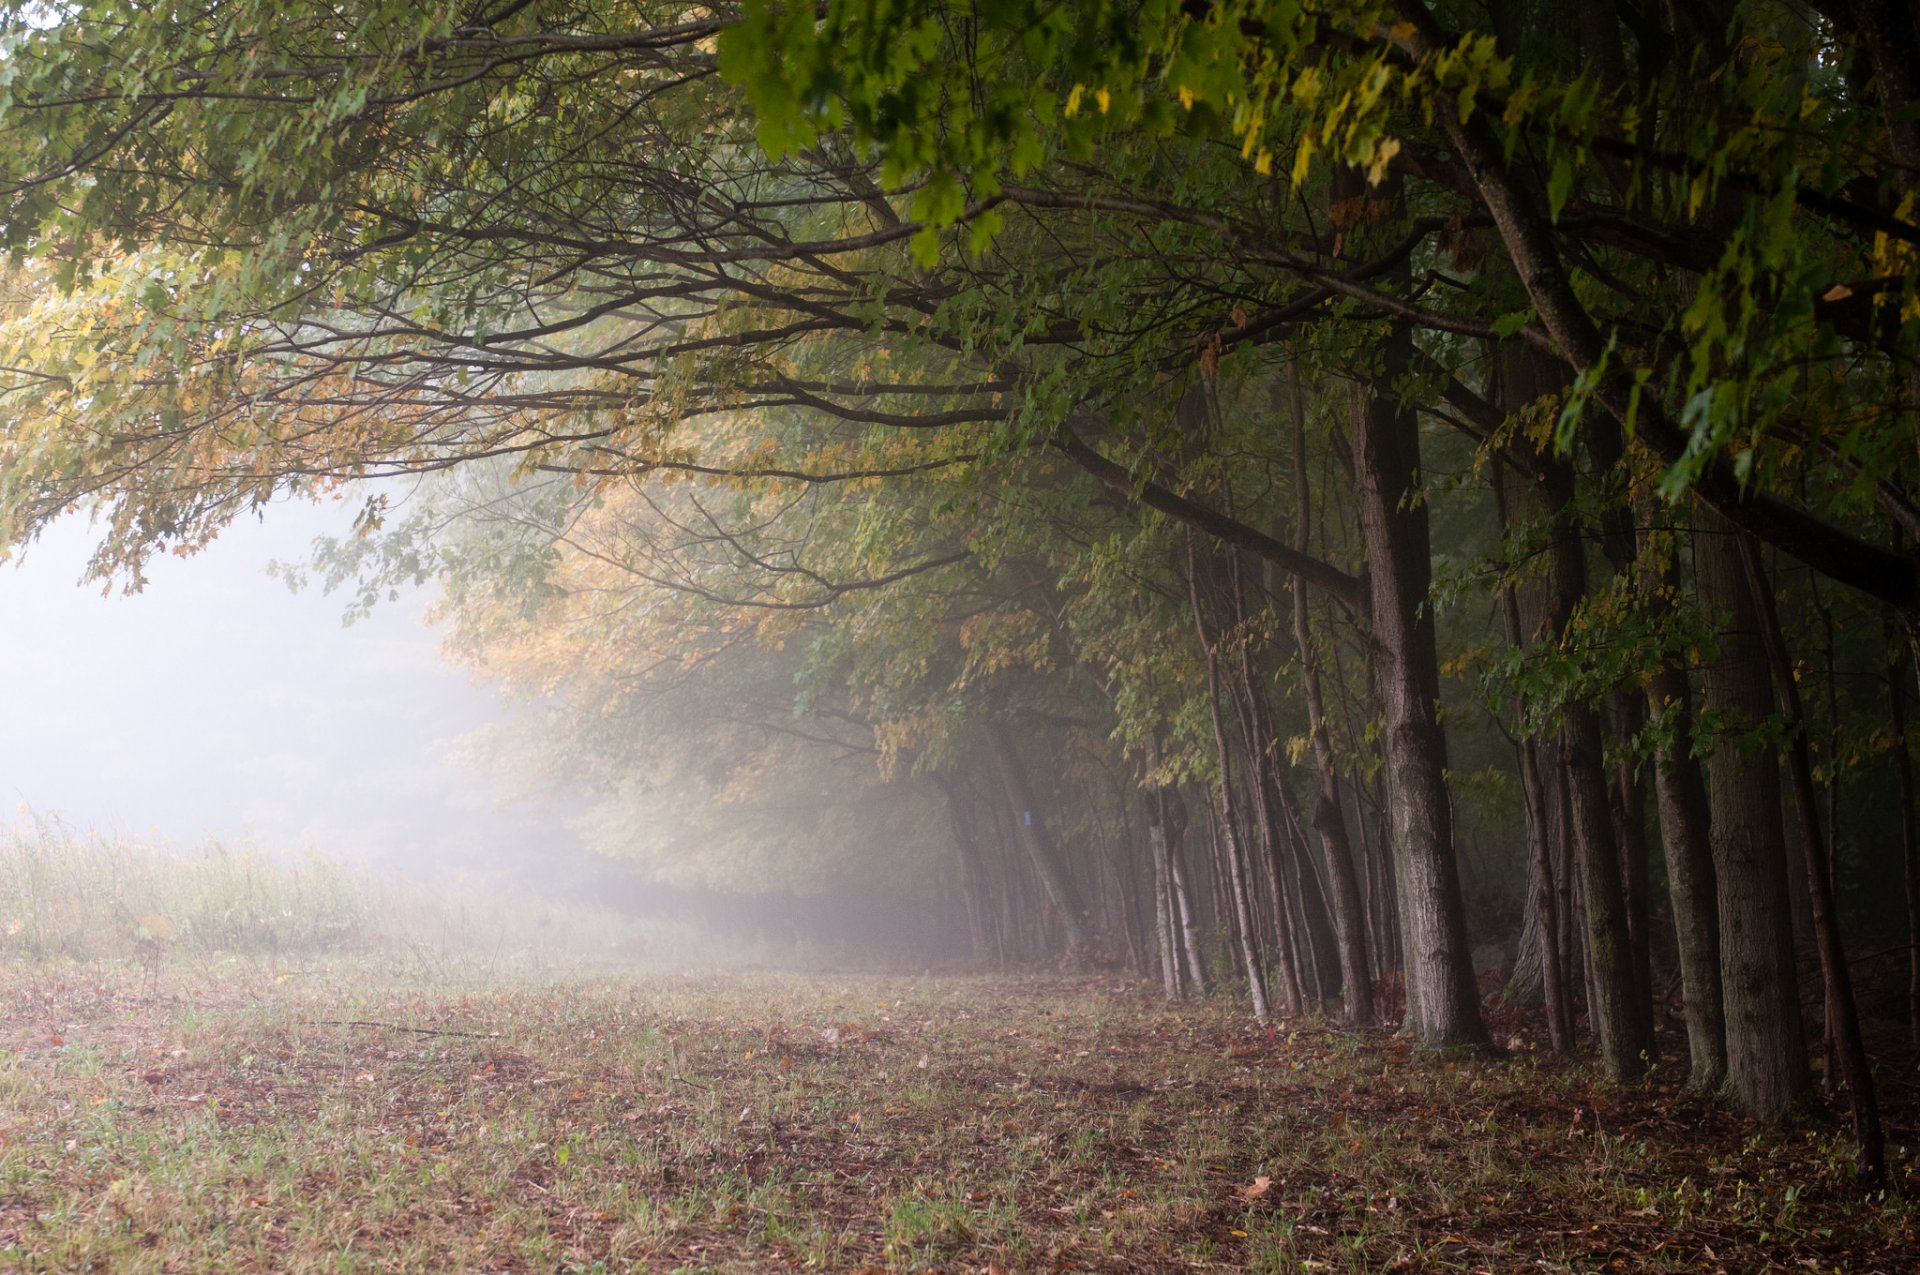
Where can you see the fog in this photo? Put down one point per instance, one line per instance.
(220, 703)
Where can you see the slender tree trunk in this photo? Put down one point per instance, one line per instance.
(973, 874)
(1013, 904)
(1187, 928)
(1619, 1019)
(1165, 916)
(1442, 1001)
(1042, 852)
(1573, 953)
(1120, 857)
(1680, 790)
(1680, 794)
(1630, 834)
(1543, 912)
(1309, 888)
(1329, 822)
(1234, 859)
(1302, 936)
(1376, 852)
(1292, 955)
(1909, 824)
(1766, 1044)
(1843, 1014)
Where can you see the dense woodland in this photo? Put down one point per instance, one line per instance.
(1203, 488)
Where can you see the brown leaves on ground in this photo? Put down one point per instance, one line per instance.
(763, 1123)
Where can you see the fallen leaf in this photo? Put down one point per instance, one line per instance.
(1259, 1188)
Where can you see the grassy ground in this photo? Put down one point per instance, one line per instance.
(345, 1115)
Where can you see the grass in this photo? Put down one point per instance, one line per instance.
(69, 894)
(82, 896)
(221, 1061)
(335, 1117)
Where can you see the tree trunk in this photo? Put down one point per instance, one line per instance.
(1620, 1014)
(1042, 852)
(1310, 888)
(1843, 1015)
(1232, 855)
(1629, 811)
(1909, 825)
(1680, 791)
(1540, 953)
(1165, 917)
(1619, 1019)
(1187, 930)
(1680, 795)
(1329, 822)
(973, 873)
(1442, 1002)
(1293, 955)
(1766, 1045)
(1542, 926)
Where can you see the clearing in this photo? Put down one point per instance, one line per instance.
(349, 1117)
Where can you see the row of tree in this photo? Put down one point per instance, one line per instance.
(1219, 460)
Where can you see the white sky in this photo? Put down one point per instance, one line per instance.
(219, 702)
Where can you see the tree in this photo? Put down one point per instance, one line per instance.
(941, 274)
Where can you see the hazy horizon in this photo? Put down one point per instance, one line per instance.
(219, 703)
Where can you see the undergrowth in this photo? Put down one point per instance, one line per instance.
(68, 895)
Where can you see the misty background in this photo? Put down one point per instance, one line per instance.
(218, 702)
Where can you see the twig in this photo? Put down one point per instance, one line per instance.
(396, 1027)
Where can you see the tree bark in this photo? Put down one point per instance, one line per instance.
(1233, 855)
(1539, 945)
(1680, 796)
(1843, 1015)
(1329, 821)
(1165, 917)
(1680, 792)
(1042, 852)
(1766, 1045)
(1174, 808)
(1630, 834)
(966, 840)
(1619, 1018)
(1442, 1002)
(1909, 824)
(1620, 1015)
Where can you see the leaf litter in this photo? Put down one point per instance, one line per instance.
(765, 1122)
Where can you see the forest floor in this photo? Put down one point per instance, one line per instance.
(346, 1117)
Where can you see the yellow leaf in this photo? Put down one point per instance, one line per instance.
(1382, 156)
